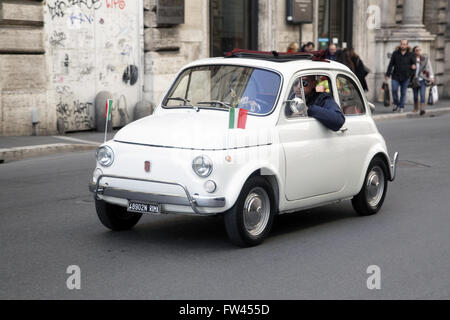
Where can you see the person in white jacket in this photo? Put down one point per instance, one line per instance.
(424, 76)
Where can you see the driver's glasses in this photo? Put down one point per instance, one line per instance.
(304, 82)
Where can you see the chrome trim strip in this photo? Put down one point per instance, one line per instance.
(209, 202)
(193, 201)
(192, 149)
(393, 166)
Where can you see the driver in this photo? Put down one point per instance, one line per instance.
(321, 105)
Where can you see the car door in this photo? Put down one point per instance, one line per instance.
(359, 125)
(314, 155)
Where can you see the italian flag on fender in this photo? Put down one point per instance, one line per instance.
(109, 103)
(238, 118)
(108, 109)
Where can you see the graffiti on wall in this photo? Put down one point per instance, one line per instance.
(58, 8)
(121, 4)
(57, 39)
(94, 47)
(76, 115)
(79, 18)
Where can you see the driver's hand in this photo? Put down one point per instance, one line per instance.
(254, 106)
(243, 100)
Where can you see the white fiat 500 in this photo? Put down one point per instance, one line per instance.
(231, 137)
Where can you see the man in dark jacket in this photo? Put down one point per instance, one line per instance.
(322, 106)
(401, 67)
(333, 53)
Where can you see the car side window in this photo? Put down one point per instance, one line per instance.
(300, 88)
(352, 102)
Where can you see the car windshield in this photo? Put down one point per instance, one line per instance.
(222, 87)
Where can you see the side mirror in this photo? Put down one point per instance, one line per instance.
(372, 107)
(296, 105)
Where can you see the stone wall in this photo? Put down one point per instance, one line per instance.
(24, 75)
(446, 92)
(366, 22)
(169, 47)
(274, 33)
(435, 20)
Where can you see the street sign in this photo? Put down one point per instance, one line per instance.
(169, 11)
(299, 11)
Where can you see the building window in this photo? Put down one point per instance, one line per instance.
(335, 23)
(233, 24)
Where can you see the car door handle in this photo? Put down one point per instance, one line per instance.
(344, 130)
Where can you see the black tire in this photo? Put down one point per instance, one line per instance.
(234, 219)
(114, 217)
(362, 201)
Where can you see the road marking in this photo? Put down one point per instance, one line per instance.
(19, 153)
(77, 140)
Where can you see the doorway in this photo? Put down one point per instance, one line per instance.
(233, 24)
(335, 23)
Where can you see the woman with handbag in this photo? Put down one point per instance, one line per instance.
(423, 77)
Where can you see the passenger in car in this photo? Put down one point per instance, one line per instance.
(321, 105)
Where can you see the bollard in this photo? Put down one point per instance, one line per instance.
(35, 120)
(100, 109)
(142, 109)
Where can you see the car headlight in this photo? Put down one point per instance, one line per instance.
(202, 166)
(105, 156)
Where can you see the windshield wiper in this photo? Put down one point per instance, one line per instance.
(188, 102)
(222, 104)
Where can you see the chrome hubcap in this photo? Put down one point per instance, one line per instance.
(256, 211)
(374, 186)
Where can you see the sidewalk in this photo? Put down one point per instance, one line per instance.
(382, 110)
(17, 148)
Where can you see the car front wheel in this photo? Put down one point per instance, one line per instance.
(115, 217)
(371, 197)
(249, 221)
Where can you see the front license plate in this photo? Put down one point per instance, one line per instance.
(140, 207)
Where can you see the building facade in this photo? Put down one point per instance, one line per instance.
(57, 56)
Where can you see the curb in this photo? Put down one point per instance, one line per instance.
(20, 153)
(430, 113)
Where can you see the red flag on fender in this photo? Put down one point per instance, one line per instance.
(242, 118)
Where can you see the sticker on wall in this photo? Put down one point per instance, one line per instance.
(131, 75)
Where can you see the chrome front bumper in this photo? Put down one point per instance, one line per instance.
(195, 201)
(393, 166)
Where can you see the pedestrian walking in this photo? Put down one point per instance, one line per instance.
(360, 70)
(293, 47)
(401, 67)
(422, 78)
(308, 47)
(345, 58)
(333, 53)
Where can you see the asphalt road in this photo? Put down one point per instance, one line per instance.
(48, 222)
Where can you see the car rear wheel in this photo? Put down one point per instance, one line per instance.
(115, 217)
(371, 197)
(249, 221)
